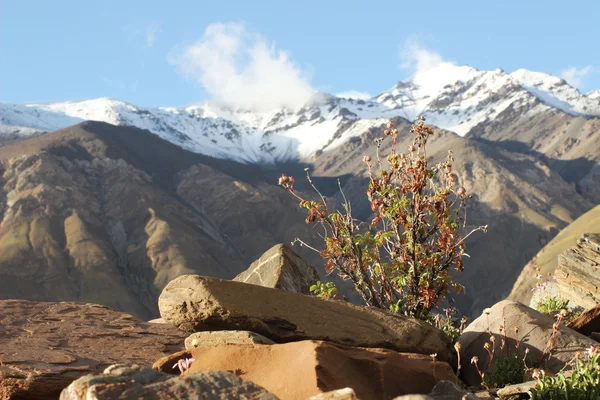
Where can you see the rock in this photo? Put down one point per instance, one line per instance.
(45, 346)
(134, 382)
(157, 321)
(595, 336)
(588, 322)
(535, 330)
(516, 390)
(414, 397)
(339, 394)
(280, 268)
(299, 370)
(196, 303)
(578, 272)
(214, 338)
(447, 390)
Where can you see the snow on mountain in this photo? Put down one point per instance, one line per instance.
(594, 95)
(459, 98)
(557, 93)
(456, 98)
(221, 132)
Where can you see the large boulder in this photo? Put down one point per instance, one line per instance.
(280, 268)
(45, 346)
(125, 382)
(298, 370)
(195, 303)
(534, 333)
(578, 272)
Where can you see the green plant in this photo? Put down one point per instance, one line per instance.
(402, 260)
(324, 290)
(506, 371)
(552, 304)
(583, 384)
(506, 365)
(451, 326)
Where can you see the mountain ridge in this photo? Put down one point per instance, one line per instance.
(454, 98)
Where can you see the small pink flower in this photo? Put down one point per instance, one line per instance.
(367, 159)
(184, 364)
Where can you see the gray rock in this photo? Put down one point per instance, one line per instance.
(516, 390)
(340, 394)
(280, 268)
(534, 332)
(446, 390)
(125, 382)
(195, 303)
(215, 338)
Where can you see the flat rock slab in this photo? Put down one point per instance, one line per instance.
(214, 338)
(299, 370)
(280, 268)
(195, 303)
(125, 382)
(44, 346)
(534, 331)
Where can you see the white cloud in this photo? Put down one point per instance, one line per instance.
(576, 76)
(240, 69)
(416, 57)
(354, 94)
(150, 33)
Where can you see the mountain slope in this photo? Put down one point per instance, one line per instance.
(87, 214)
(527, 147)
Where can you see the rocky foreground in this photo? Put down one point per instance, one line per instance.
(221, 339)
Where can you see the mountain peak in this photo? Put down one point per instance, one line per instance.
(451, 97)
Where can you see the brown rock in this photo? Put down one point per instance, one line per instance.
(157, 321)
(302, 369)
(45, 346)
(196, 303)
(280, 268)
(578, 272)
(588, 322)
(214, 338)
(534, 333)
(133, 382)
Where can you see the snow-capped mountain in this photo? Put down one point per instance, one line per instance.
(456, 98)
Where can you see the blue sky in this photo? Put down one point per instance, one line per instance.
(158, 53)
